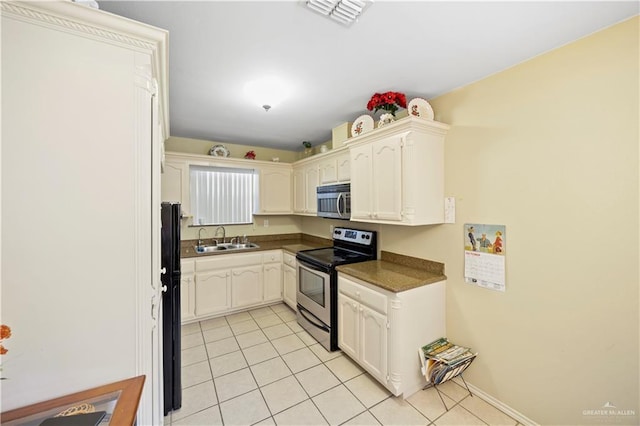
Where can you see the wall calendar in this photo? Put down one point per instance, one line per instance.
(484, 255)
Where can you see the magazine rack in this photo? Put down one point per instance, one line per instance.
(461, 367)
(436, 371)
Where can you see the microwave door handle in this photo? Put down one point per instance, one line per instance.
(338, 204)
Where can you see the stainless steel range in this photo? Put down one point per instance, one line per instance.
(317, 293)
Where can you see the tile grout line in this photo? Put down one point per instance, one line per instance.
(215, 388)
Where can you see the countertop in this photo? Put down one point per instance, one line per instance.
(393, 272)
(396, 272)
(292, 243)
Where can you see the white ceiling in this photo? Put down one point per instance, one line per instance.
(423, 49)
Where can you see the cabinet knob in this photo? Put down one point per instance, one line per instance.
(163, 271)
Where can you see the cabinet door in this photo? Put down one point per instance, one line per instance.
(328, 171)
(312, 179)
(348, 325)
(361, 182)
(289, 286)
(187, 297)
(246, 286)
(299, 191)
(213, 292)
(275, 191)
(175, 184)
(272, 281)
(344, 167)
(373, 342)
(387, 179)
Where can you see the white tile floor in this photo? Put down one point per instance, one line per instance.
(261, 368)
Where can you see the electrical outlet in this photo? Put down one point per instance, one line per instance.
(265, 223)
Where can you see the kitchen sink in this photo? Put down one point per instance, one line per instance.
(225, 247)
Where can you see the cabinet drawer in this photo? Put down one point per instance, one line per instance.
(228, 261)
(187, 266)
(272, 256)
(364, 295)
(289, 259)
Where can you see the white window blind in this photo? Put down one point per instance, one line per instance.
(221, 196)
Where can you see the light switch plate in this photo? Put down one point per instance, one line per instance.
(450, 210)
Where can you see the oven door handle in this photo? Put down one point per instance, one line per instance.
(313, 319)
(340, 195)
(310, 267)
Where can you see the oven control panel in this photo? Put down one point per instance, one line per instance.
(353, 235)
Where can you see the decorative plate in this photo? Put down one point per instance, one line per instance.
(219, 151)
(362, 125)
(420, 108)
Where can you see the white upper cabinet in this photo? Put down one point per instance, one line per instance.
(335, 167)
(397, 173)
(328, 171)
(275, 190)
(377, 179)
(344, 167)
(308, 174)
(306, 178)
(175, 183)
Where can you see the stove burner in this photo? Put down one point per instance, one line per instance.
(332, 256)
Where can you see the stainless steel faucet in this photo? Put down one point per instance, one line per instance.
(200, 237)
(224, 232)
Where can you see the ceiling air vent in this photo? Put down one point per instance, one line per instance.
(345, 12)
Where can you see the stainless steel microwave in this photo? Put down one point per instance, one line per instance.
(334, 201)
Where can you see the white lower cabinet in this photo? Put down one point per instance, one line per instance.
(187, 290)
(289, 280)
(373, 342)
(382, 330)
(272, 275)
(362, 334)
(213, 292)
(246, 286)
(217, 285)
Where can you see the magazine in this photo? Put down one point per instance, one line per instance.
(441, 360)
(445, 351)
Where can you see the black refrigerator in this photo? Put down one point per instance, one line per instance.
(170, 241)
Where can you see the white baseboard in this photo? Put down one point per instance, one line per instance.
(501, 406)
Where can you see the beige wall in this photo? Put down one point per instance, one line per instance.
(548, 148)
(276, 225)
(202, 147)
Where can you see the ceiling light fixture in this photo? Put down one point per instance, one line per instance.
(345, 12)
(266, 92)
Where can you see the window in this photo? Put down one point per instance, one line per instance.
(221, 195)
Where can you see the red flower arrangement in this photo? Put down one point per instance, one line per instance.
(5, 333)
(388, 101)
(250, 155)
